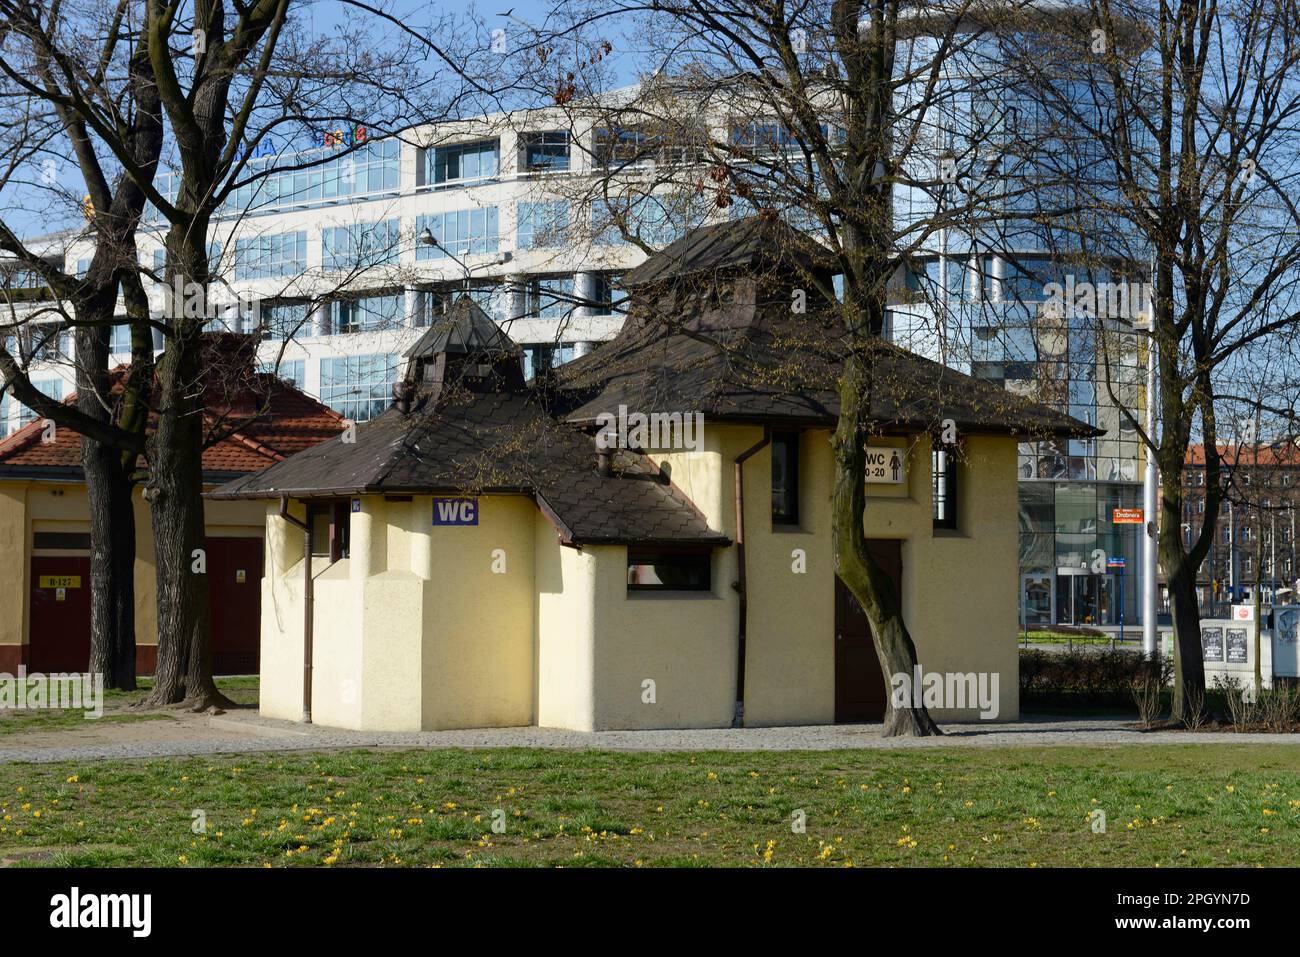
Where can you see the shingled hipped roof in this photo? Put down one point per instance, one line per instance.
(496, 442)
(755, 244)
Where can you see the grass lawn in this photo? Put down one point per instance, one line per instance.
(1165, 806)
(117, 708)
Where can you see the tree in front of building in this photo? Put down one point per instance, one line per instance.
(1196, 160)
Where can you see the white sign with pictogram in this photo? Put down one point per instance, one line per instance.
(1243, 612)
(886, 465)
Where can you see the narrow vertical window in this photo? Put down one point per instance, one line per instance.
(785, 478)
(943, 479)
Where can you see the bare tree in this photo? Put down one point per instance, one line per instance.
(844, 119)
(225, 77)
(1188, 120)
(43, 94)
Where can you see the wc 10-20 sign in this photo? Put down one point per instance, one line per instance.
(885, 465)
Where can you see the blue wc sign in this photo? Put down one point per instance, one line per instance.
(455, 511)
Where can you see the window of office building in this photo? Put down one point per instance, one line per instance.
(285, 319)
(54, 388)
(361, 245)
(375, 168)
(544, 152)
(461, 233)
(119, 338)
(545, 355)
(364, 313)
(657, 218)
(607, 293)
(617, 146)
(463, 162)
(358, 387)
(47, 343)
(272, 256)
(541, 225)
(488, 294)
(289, 370)
(550, 297)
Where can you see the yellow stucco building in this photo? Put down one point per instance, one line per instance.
(45, 527)
(642, 539)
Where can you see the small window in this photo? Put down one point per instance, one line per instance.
(668, 569)
(785, 478)
(331, 523)
(943, 480)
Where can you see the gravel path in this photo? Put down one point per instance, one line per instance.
(244, 732)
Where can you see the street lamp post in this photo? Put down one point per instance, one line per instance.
(1150, 541)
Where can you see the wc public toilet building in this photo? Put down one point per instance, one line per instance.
(641, 538)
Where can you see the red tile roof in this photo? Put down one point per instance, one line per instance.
(1263, 456)
(245, 438)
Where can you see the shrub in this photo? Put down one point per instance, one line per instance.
(1086, 678)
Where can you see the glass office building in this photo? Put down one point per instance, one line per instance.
(1044, 307)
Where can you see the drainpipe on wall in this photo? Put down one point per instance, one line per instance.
(738, 718)
(308, 603)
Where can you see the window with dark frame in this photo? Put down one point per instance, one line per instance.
(669, 569)
(943, 479)
(785, 478)
(548, 150)
(331, 524)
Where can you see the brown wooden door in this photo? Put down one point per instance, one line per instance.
(859, 684)
(60, 627)
(236, 604)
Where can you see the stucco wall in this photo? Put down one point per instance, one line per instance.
(684, 642)
(14, 566)
(959, 598)
(565, 582)
(478, 651)
(414, 630)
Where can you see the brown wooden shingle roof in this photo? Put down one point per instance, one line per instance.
(476, 443)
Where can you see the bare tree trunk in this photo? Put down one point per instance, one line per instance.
(861, 574)
(112, 519)
(1180, 572)
(112, 566)
(175, 494)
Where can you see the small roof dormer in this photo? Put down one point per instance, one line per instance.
(462, 346)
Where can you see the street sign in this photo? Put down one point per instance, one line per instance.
(1114, 562)
(1127, 516)
(1243, 612)
(886, 465)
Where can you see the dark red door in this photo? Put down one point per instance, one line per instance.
(859, 684)
(60, 624)
(235, 577)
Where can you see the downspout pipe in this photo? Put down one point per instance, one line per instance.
(308, 605)
(738, 717)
